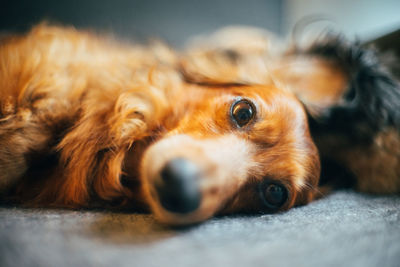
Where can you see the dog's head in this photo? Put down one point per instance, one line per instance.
(231, 149)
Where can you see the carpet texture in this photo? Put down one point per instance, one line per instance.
(344, 229)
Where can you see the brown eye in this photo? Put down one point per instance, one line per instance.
(274, 195)
(242, 112)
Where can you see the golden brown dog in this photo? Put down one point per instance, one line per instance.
(87, 122)
(219, 129)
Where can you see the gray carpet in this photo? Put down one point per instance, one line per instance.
(344, 229)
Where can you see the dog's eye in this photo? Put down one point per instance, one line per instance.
(242, 112)
(274, 195)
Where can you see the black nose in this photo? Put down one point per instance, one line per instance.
(177, 186)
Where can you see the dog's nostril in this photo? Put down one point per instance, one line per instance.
(177, 187)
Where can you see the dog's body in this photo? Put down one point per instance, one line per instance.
(87, 122)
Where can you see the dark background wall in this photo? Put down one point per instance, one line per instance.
(172, 20)
(176, 20)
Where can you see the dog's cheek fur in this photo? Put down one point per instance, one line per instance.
(294, 157)
(295, 163)
(284, 152)
(298, 171)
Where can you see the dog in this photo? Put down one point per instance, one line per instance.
(88, 122)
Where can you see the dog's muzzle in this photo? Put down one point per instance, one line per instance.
(177, 186)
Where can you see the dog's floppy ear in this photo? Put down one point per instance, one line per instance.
(92, 153)
(343, 85)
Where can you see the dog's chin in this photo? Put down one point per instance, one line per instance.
(176, 219)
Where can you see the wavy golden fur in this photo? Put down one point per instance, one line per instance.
(87, 122)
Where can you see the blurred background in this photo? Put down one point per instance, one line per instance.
(176, 20)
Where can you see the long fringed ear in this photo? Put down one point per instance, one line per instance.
(232, 55)
(343, 86)
(93, 151)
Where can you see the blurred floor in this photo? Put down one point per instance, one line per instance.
(344, 229)
(175, 21)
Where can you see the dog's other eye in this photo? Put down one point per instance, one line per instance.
(274, 195)
(242, 112)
